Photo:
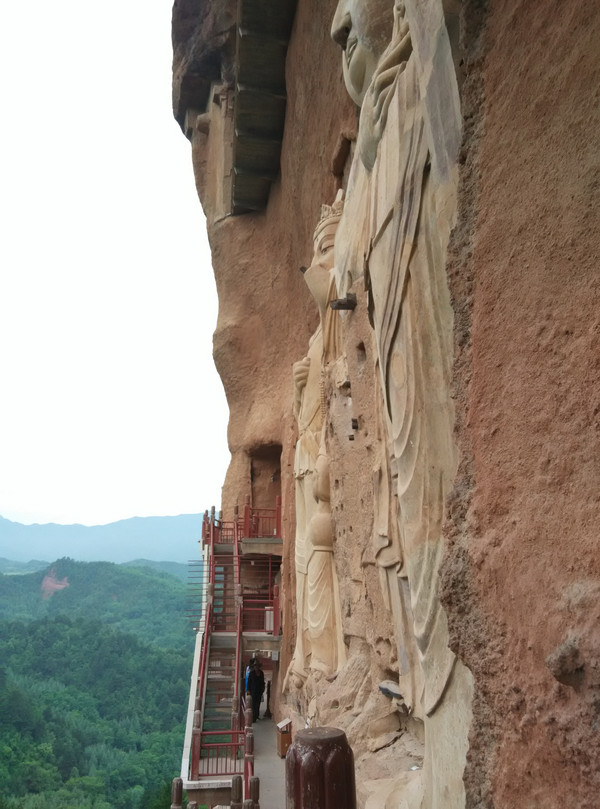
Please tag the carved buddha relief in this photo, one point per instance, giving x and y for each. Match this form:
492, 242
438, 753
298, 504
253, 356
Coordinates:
319, 643
395, 230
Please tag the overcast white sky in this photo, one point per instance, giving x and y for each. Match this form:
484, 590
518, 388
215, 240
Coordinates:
110, 406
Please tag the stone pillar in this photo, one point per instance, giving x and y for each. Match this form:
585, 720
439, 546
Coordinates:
196, 739
248, 712
235, 713
249, 759
176, 793
236, 792
255, 791
319, 771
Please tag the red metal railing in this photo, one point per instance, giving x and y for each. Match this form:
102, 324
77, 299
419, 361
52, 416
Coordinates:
261, 523
258, 615
205, 645
222, 752
229, 609
196, 732
240, 620
215, 530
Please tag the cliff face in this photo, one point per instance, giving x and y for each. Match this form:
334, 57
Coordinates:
522, 575
511, 253
266, 314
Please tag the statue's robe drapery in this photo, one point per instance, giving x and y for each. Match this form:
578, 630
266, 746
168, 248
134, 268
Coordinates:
412, 319
395, 231
319, 641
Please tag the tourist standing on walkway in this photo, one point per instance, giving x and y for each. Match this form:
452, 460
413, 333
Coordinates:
248, 670
256, 687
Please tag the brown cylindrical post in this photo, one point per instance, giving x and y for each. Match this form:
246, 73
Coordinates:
196, 739
319, 770
235, 713
249, 746
176, 793
237, 792
195, 763
248, 712
255, 791
248, 760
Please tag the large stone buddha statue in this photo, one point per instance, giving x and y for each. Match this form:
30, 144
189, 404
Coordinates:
395, 229
319, 642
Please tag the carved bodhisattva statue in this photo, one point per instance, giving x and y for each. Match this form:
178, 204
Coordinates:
319, 642
395, 227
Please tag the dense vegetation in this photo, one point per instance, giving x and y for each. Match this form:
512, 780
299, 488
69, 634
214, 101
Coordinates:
92, 700
148, 603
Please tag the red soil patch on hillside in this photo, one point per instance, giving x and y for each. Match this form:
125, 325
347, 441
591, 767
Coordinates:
50, 584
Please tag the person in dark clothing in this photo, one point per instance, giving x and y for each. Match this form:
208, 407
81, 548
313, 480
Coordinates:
248, 670
256, 687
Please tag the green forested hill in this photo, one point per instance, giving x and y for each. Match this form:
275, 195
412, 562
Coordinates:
93, 687
148, 603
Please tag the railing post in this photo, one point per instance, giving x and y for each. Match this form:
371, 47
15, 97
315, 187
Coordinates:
196, 740
235, 713
276, 626
176, 793
248, 760
237, 792
278, 516
319, 770
255, 791
247, 517
248, 713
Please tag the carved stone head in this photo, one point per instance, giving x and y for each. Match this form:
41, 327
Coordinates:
318, 275
363, 29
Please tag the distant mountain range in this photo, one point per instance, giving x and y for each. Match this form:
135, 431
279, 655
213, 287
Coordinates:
9, 567
150, 538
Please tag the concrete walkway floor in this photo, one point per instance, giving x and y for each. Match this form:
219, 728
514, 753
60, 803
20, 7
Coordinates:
268, 766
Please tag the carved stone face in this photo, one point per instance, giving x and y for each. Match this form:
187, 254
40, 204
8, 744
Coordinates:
363, 29
318, 275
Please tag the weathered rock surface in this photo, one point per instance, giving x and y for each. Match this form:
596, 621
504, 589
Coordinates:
522, 573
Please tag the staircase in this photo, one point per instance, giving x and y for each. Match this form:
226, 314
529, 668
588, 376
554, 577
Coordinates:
220, 685
228, 610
